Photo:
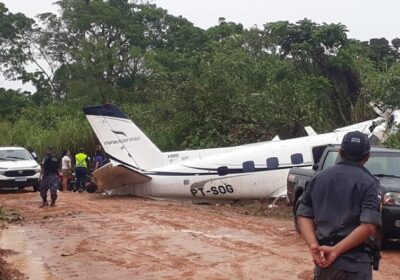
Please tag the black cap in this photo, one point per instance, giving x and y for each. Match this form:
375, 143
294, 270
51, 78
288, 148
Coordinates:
355, 144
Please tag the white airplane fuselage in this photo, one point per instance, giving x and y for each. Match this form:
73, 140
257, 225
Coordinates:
254, 171
193, 174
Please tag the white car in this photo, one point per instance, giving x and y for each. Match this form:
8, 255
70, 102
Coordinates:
18, 169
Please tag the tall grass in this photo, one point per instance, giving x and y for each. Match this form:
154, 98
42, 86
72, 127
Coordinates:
59, 127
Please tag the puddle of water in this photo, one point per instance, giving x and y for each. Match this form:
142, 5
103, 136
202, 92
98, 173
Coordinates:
15, 239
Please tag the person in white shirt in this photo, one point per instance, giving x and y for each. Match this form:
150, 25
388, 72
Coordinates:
66, 169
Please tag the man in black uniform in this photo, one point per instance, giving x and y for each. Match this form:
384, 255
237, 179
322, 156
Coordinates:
50, 180
339, 212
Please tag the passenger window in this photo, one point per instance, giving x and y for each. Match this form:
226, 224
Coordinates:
296, 158
222, 170
272, 163
248, 166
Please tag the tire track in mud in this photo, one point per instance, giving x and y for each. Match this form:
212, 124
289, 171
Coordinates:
234, 247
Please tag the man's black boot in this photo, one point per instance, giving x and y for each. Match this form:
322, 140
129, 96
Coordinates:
53, 203
44, 203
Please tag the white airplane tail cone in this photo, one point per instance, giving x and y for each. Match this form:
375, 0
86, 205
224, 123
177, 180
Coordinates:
121, 139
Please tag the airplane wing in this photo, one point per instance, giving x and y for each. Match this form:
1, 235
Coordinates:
363, 126
112, 176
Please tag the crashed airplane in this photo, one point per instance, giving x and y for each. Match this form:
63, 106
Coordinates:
255, 171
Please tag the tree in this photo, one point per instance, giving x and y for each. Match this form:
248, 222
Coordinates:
380, 51
321, 50
14, 30
13, 103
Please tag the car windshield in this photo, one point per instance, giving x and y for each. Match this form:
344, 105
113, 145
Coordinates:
384, 163
14, 155
379, 163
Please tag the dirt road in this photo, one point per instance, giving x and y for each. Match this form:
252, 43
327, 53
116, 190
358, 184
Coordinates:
87, 236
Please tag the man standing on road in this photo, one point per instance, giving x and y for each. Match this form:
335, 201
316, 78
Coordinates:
339, 212
49, 174
81, 165
66, 169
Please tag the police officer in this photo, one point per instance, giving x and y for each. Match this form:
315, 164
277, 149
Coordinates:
339, 212
81, 165
49, 174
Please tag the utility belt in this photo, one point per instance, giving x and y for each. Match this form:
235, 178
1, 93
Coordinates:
373, 250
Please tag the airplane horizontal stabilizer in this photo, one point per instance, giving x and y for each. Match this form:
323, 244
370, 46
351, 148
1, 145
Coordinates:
112, 177
310, 131
276, 138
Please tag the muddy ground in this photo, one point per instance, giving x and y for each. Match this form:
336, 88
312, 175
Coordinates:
89, 236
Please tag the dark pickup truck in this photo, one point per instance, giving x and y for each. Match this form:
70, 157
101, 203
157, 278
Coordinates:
384, 164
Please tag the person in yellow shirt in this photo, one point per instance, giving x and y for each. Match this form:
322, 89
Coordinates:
81, 166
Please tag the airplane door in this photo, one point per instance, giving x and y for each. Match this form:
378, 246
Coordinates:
317, 153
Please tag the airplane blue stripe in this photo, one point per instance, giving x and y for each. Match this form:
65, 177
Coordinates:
211, 171
256, 168
214, 172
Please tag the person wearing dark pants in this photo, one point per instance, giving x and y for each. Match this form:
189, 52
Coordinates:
50, 180
80, 174
81, 165
339, 214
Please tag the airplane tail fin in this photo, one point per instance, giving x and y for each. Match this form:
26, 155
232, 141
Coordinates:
121, 139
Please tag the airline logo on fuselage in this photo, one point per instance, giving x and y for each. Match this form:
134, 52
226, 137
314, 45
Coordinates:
120, 141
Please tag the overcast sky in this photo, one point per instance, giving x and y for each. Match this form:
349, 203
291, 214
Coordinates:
364, 19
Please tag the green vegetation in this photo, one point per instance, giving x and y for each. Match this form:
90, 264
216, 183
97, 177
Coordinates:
185, 86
